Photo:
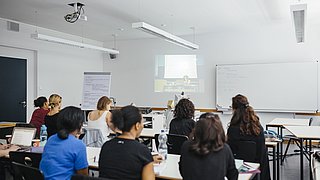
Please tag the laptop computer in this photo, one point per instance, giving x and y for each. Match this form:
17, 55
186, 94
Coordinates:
23, 136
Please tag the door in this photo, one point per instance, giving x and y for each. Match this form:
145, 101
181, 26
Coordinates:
13, 89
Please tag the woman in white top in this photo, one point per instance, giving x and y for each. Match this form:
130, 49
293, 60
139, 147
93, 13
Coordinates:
100, 118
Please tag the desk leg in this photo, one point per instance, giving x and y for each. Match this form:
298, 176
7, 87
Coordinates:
274, 163
281, 144
310, 157
278, 166
301, 158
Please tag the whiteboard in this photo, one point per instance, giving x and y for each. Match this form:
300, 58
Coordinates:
274, 87
95, 85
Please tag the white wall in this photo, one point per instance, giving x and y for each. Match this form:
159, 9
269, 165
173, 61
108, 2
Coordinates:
133, 71
55, 68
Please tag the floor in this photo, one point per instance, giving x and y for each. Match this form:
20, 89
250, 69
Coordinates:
290, 170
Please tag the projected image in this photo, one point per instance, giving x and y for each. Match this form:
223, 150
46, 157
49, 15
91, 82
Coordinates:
177, 73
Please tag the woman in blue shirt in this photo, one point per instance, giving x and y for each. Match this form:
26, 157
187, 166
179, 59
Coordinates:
64, 154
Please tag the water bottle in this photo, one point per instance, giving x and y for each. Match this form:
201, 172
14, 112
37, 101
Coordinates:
43, 135
163, 148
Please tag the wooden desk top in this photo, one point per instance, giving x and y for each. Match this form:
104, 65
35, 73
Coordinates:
7, 124
272, 143
307, 132
288, 122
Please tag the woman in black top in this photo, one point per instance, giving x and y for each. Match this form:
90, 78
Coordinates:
183, 122
123, 157
245, 126
50, 120
207, 156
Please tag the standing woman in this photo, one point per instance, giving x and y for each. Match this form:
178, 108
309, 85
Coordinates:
100, 118
183, 122
123, 157
207, 156
245, 126
37, 118
64, 154
51, 118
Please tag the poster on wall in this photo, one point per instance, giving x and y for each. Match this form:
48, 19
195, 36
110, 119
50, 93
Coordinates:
95, 85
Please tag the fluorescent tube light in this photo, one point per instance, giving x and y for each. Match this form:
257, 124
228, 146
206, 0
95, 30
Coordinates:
298, 14
72, 43
164, 35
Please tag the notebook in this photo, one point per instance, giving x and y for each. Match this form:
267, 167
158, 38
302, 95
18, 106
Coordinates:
23, 136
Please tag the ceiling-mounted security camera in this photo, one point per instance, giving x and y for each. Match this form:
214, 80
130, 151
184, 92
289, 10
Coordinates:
77, 14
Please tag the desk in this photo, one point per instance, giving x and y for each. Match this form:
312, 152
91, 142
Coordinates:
275, 160
148, 133
279, 123
169, 171
304, 133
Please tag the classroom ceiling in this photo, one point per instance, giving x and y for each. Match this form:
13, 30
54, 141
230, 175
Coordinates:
107, 17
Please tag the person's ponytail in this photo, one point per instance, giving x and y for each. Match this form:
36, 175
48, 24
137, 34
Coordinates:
63, 134
117, 119
39, 102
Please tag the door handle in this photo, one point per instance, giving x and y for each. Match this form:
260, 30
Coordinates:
23, 103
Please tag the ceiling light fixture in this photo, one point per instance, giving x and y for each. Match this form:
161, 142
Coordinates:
72, 43
164, 35
298, 14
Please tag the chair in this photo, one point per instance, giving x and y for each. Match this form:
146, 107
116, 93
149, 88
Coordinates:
93, 137
245, 150
24, 172
293, 139
82, 177
174, 142
30, 159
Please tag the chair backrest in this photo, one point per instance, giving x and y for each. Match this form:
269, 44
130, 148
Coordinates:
25, 125
30, 159
93, 137
174, 142
24, 172
82, 177
245, 150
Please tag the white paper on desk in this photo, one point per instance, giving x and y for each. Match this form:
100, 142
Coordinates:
238, 163
158, 168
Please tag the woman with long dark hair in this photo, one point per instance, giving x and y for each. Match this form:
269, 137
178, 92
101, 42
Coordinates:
207, 156
245, 126
64, 154
123, 157
183, 122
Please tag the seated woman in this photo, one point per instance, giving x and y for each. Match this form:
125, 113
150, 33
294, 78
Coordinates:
207, 156
245, 126
123, 157
183, 122
37, 118
50, 120
64, 154
100, 118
